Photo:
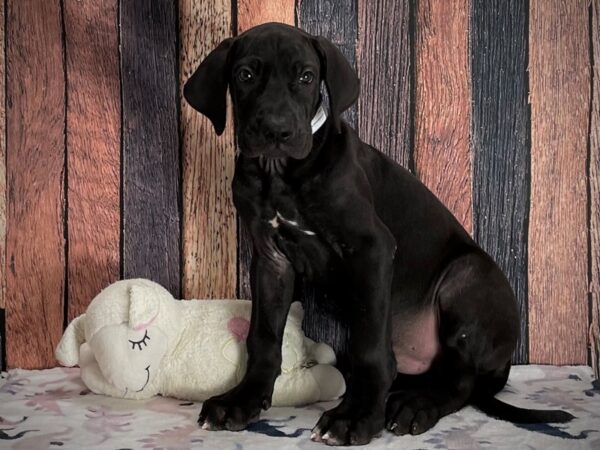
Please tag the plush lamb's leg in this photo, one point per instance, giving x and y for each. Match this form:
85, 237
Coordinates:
321, 382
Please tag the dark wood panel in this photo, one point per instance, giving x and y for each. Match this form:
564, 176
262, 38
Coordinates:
442, 104
35, 250
93, 149
559, 76
151, 176
385, 77
500, 142
249, 14
337, 22
209, 222
594, 193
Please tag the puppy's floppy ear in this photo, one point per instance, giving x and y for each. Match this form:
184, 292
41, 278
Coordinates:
206, 89
340, 78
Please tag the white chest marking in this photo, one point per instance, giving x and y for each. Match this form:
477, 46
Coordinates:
279, 218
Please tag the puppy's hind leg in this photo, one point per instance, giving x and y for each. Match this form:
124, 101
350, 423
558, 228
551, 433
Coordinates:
478, 328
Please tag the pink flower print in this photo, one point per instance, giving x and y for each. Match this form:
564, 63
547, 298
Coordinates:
177, 438
239, 327
103, 422
48, 400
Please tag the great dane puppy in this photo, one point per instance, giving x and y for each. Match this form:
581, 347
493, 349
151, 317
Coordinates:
433, 321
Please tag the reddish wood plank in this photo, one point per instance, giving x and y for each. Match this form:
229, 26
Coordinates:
442, 104
559, 77
594, 180
209, 222
93, 148
254, 12
384, 105
249, 14
35, 250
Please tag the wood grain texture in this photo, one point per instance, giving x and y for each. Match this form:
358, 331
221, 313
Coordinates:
209, 223
93, 149
442, 104
249, 14
338, 22
151, 184
594, 193
254, 12
500, 142
35, 251
385, 69
559, 75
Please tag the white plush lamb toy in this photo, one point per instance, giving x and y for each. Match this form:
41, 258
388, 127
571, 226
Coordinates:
136, 341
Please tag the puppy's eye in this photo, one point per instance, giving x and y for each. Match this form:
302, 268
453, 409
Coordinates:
245, 75
139, 343
307, 77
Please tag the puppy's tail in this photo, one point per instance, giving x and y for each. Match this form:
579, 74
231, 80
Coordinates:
500, 410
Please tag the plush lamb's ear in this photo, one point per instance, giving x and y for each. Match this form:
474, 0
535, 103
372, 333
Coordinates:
67, 351
143, 306
206, 89
342, 83
296, 312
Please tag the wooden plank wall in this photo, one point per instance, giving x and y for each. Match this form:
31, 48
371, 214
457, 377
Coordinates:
93, 122
109, 173
594, 192
150, 161
35, 177
500, 140
442, 104
209, 222
559, 80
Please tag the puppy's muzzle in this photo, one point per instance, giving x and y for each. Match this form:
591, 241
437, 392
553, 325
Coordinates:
276, 129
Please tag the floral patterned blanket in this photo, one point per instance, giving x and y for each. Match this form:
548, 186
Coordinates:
53, 409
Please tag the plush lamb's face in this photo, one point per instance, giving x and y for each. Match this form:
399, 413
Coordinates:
129, 358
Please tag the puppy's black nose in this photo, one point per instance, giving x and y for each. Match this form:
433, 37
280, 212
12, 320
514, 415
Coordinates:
277, 129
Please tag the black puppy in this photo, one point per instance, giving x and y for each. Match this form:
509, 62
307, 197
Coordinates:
433, 320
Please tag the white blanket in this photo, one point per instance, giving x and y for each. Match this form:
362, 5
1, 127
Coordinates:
53, 409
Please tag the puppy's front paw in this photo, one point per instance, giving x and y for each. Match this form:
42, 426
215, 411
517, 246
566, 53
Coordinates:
231, 411
345, 425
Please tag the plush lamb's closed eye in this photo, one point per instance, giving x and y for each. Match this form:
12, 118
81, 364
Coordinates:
136, 341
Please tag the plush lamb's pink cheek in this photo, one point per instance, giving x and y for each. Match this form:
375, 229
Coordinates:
239, 327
